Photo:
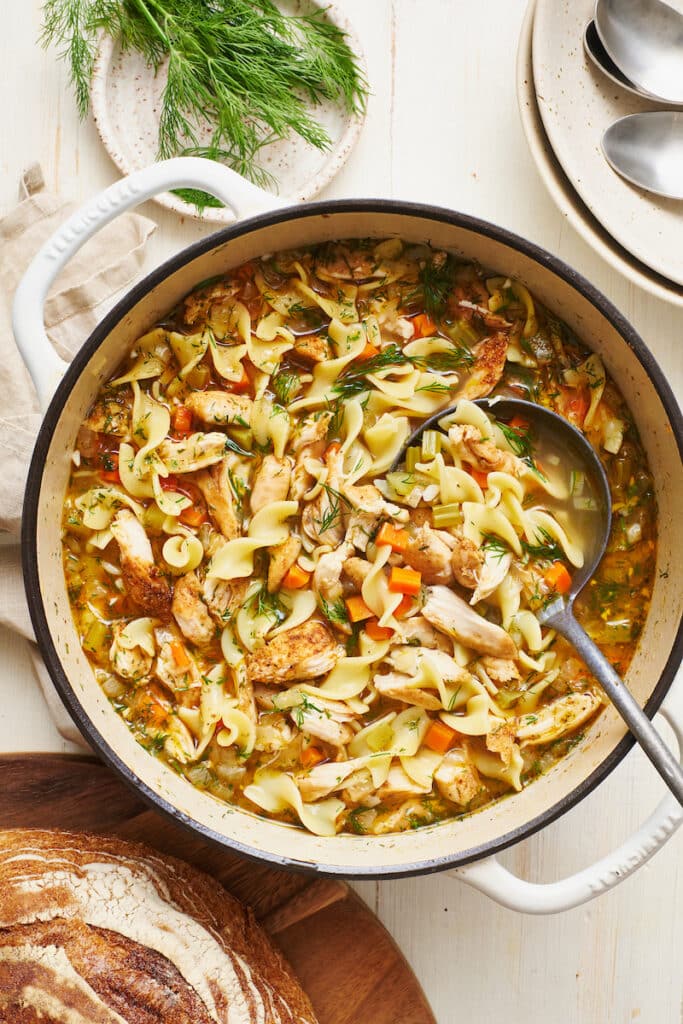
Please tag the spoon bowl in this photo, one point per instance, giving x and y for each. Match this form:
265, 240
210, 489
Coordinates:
598, 55
644, 38
647, 150
558, 612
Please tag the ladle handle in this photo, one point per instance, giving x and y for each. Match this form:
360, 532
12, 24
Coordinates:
640, 725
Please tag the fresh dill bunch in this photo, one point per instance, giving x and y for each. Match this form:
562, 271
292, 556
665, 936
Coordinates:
240, 67
437, 277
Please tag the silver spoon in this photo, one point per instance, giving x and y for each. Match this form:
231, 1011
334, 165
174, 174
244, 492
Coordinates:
644, 38
597, 53
559, 613
647, 150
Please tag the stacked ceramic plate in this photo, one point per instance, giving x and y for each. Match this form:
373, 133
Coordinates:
566, 104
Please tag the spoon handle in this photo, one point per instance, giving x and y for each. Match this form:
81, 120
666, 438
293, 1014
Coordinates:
640, 725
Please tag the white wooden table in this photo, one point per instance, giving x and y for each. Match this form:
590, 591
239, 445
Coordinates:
442, 128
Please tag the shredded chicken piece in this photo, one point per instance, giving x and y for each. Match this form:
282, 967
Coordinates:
453, 616
501, 740
500, 670
416, 630
554, 720
307, 651
109, 417
192, 453
313, 348
309, 443
361, 527
492, 573
324, 779
282, 558
271, 482
316, 723
190, 612
484, 455
224, 597
323, 520
130, 663
466, 561
197, 305
398, 686
428, 554
185, 682
360, 789
489, 363
344, 264
357, 570
327, 576
399, 783
144, 583
368, 498
221, 408
457, 779
214, 484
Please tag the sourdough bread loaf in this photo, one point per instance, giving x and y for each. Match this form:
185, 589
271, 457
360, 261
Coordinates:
98, 931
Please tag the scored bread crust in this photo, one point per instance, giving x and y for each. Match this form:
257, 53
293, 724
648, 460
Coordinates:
94, 930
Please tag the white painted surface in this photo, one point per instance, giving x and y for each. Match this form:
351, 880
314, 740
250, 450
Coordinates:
442, 128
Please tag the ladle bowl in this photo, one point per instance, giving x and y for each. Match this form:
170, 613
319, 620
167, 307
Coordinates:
558, 613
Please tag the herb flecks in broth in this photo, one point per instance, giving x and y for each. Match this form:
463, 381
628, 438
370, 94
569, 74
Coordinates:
351, 648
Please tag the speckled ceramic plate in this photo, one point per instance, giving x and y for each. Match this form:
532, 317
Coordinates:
561, 189
577, 104
126, 101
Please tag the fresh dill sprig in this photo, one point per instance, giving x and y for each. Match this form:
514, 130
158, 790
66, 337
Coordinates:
354, 379
334, 611
242, 68
232, 446
268, 605
547, 548
444, 362
285, 385
519, 440
333, 513
437, 277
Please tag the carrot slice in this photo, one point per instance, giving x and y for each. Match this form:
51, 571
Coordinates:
110, 468
193, 516
295, 578
423, 326
407, 604
357, 609
388, 534
480, 477
311, 756
439, 737
557, 578
332, 449
404, 581
377, 632
182, 420
369, 352
180, 655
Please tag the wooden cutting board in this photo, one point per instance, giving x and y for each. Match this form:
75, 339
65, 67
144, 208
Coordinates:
345, 959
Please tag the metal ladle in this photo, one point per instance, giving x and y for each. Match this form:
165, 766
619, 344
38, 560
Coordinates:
644, 38
558, 614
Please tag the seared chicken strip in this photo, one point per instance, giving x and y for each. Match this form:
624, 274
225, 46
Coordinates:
307, 651
502, 741
489, 363
457, 779
556, 719
192, 453
309, 443
190, 612
416, 630
130, 663
145, 585
453, 616
312, 348
109, 417
271, 482
428, 554
282, 558
220, 407
214, 484
484, 455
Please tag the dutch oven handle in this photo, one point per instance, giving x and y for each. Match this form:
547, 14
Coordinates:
44, 365
491, 878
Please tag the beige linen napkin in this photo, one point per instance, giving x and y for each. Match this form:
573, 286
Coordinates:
87, 288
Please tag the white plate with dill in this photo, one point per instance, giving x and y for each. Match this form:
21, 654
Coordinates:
291, 137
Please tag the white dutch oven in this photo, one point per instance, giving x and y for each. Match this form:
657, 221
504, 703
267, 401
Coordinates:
468, 845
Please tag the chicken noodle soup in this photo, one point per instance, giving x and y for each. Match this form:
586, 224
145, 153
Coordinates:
302, 631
